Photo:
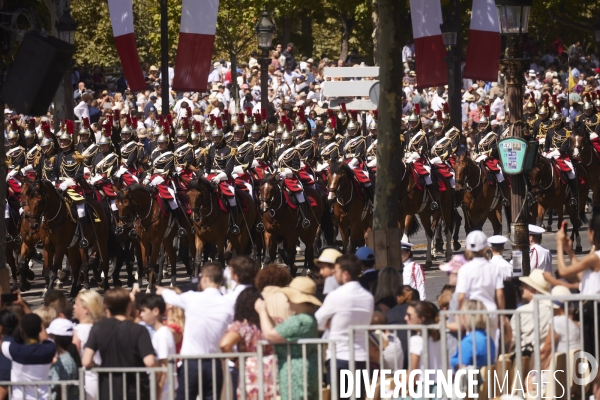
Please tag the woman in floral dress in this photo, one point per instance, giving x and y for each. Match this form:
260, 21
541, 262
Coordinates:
244, 332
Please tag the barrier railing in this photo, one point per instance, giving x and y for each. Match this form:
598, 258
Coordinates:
43, 389
141, 375
574, 323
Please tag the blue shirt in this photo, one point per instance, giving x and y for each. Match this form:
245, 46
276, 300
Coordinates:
95, 115
466, 348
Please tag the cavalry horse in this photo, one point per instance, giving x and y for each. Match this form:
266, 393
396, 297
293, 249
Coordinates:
349, 214
139, 208
584, 153
414, 200
280, 219
551, 192
211, 219
480, 199
58, 230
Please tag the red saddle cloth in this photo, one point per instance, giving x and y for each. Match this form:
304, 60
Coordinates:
163, 188
492, 164
129, 179
596, 144
164, 208
306, 175
560, 166
452, 162
240, 200
241, 179
224, 189
311, 201
443, 169
560, 162
293, 185
259, 172
419, 168
13, 189
106, 187
185, 176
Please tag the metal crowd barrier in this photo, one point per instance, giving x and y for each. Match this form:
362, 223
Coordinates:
124, 372
568, 377
43, 389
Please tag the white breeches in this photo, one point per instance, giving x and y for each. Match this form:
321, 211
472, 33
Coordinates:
427, 178
6, 211
231, 201
172, 202
113, 205
300, 197
80, 210
499, 176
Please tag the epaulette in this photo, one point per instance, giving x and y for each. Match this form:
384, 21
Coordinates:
232, 150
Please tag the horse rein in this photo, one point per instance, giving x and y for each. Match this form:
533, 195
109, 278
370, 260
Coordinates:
338, 196
539, 185
465, 182
199, 210
134, 216
268, 202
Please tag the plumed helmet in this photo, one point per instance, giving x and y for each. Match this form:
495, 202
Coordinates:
416, 114
301, 127
126, 130
208, 128
557, 117
238, 128
438, 124
104, 140
141, 133
13, 132
182, 132
544, 108
85, 126
287, 136
67, 134
531, 102
46, 141
587, 102
217, 133
30, 131
158, 130
446, 112
163, 138
255, 128
194, 136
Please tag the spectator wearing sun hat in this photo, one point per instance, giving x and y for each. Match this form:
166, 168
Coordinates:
326, 263
412, 273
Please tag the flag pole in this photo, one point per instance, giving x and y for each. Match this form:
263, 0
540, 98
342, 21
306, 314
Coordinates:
164, 57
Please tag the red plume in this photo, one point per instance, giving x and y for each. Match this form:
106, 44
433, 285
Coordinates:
354, 115
14, 125
558, 107
134, 123
107, 127
330, 113
417, 109
598, 92
257, 119
117, 115
546, 97
301, 115
288, 125
249, 111
31, 124
446, 108
554, 99
226, 115
185, 123
587, 97
263, 113
376, 114
161, 120
219, 123
487, 110
170, 119
70, 126
86, 122
532, 95
127, 120
438, 114
333, 121
46, 130
110, 121
167, 127
343, 107
594, 95
188, 111
197, 126
240, 118
212, 119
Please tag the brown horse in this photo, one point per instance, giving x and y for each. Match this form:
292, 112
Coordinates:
586, 155
349, 214
211, 223
48, 212
480, 199
550, 192
139, 209
413, 201
281, 221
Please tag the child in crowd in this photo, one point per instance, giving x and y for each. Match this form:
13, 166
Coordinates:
66, 363
475, 326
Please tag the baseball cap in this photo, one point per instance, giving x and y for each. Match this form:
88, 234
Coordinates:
152, 97
329, 256
559, 291
365, 254
454, 264
61, 327
476, 241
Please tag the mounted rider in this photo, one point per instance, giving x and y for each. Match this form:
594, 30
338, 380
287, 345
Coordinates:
15, 159
530, 116
372, 146
329, 148
218, 171
184, 155
33, 152
69, 170
288, 163
243, 158
306, 147
588, 121
104, 165
440, 149
162, 165
354, 153
86, 146
543, 123
46, 165
557, 147
263, 147
487, 149
130, 165
414, 124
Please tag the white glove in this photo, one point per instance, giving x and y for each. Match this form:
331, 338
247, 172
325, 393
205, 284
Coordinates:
435, 160
25, 170
146, 181
353, 163
157, 181
412, 157
372, 163
63, 186
553, 153
95, 179
178, 170
481, 158
321, 167
86, 171
11, 174
121, 171
302, 165
238, 170
219, 177
286, 173
254, 163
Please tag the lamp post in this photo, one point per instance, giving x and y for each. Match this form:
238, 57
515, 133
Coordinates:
451, 37
514, 19
264, 35
66, 27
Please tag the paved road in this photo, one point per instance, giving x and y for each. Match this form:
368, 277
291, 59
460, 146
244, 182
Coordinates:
435, 278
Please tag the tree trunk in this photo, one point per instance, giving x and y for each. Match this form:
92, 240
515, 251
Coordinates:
375, 35
287, 31
347, 25
389, 149
234, 83
307, 36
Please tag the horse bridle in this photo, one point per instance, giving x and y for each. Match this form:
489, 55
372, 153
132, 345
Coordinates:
40, 217
268, 202
465, 183
539, 184
338, 195
129, 220
199, 209
581, 152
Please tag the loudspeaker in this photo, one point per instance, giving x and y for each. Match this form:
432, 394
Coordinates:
35, 75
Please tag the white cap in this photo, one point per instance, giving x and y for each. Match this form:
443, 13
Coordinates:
536, 230
494, 123
406, 245
497, 240
559, 291
477, 241
61, 327
329, 256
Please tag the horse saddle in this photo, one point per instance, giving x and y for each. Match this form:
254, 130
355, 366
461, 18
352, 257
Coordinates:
90, 213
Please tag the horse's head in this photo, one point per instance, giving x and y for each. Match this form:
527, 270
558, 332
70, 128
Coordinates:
580, 146
267, 191
36, 198
541, 170
199, 195
461, 171
335, 177
126, 207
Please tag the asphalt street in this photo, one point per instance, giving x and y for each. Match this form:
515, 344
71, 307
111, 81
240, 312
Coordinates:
435, 278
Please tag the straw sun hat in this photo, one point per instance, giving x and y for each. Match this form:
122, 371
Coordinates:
301, 290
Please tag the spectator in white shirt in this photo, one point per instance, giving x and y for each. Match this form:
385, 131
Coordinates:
215, 75
539, 256
243, 272
207, 315
350, 304
326, 264
82, 110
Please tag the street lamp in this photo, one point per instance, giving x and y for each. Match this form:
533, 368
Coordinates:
264, 35
450, 35
513, 18
66, 27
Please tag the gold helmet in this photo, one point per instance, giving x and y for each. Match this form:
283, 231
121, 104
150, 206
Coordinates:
30, 131
531, 104
416, 114
182, 132
587, 102
13, 132
217, 133
557, 117
67, 134
104, 140
544, 108
85, 126
439, 123
47, 139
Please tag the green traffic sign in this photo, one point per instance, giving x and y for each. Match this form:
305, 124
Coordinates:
517, 155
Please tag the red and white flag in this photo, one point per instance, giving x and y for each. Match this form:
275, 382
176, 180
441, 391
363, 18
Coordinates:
121, 18
426, 18
484, 48
196, 40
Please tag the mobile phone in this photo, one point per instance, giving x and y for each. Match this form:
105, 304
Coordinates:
9, 298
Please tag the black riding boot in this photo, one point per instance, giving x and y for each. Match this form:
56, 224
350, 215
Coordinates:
83, 242
7, 224
573, 187
433, 194
235, 229
370, 192
504, 192
304, 211
180, 216
454, 199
